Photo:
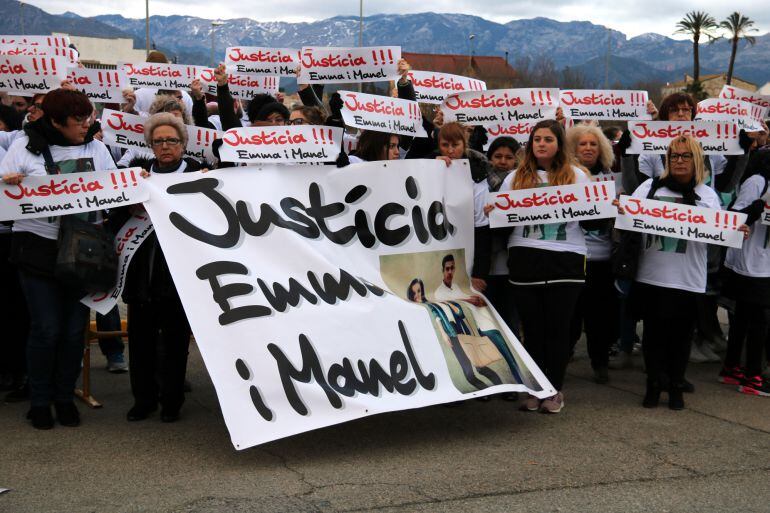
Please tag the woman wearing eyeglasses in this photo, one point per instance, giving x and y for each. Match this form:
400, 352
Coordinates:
57, 317
158, 331
671, 275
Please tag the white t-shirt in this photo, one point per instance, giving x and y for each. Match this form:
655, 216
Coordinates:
552, 236
145, 97
93, 156
134, 153
444, 293
652, 166
7, 138
753, 259
669, 262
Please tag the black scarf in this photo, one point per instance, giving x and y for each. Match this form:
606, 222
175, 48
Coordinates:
687, 190
598, 169
42, 133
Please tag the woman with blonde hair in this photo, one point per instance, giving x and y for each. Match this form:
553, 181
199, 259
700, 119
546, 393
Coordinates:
671, 274
546, 262
589, 148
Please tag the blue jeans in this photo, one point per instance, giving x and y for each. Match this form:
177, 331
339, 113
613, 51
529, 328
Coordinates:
55, 344
110, 322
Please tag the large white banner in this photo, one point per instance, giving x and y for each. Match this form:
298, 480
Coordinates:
241, 86
100, 85
301, 143
748, 116
434, 87
501, 106
127, 131
329, 65
736, 93
70, 193
382, 114
127, 241
604, 104
320, 295
681, 221
257, 60
654, 137
553, 204
27, 76
157, 75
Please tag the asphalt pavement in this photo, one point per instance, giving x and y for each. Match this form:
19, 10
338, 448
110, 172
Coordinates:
604, 452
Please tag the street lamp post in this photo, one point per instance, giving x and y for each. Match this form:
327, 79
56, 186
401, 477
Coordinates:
470, 54
147, 25
214, 25
360, 32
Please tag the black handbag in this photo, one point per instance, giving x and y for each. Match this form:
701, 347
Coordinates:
86, 259
625, 254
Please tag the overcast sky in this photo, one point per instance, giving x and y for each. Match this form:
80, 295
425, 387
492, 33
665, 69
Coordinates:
632, 18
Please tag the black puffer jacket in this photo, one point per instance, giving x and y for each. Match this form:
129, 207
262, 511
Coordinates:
148, 278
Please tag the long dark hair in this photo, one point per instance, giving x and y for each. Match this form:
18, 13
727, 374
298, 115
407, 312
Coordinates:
410, 294
372, 145
561, 171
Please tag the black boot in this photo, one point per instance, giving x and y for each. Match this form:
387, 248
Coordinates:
675, 398
41, 417
652, 395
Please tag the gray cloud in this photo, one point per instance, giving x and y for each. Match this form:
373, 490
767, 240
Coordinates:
632, 18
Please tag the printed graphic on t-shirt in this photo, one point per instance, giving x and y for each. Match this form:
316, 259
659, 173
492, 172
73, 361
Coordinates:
663, 243
548, 231
81, 165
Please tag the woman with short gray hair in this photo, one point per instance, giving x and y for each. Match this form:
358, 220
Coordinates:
158, 330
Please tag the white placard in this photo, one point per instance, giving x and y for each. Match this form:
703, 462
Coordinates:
501, 106
258, 60
297, 143
300, 282
552, 204
127, 131
681, 221
654, 137
100, 85
604, 104
40, 51
58, 41
382, 114
127, 241
70, 193
434, 87
736, 93
329, 65
244, 87
27, 76
747, 116
155, 75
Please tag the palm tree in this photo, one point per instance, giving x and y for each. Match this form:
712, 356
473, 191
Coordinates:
738, 26
697, 24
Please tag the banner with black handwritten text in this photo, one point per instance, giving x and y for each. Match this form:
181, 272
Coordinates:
317, 295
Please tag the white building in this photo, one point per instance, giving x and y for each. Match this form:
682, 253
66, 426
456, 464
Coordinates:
100, 52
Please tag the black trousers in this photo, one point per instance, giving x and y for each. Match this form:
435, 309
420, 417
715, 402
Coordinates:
748, 324
669, 317
159, 339
598, 308
499, 294
546, 313
13, 338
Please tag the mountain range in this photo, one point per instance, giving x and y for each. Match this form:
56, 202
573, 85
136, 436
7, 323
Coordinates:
580, 45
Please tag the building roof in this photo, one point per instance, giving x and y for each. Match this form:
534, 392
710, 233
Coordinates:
484, 66
705, 78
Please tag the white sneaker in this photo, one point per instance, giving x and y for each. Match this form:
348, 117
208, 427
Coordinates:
702, 353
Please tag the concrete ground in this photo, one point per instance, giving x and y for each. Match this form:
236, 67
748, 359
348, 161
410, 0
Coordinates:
604, 452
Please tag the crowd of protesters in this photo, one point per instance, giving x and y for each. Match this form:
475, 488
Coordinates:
550, 283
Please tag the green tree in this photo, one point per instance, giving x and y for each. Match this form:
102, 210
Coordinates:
738, 27
697, 24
